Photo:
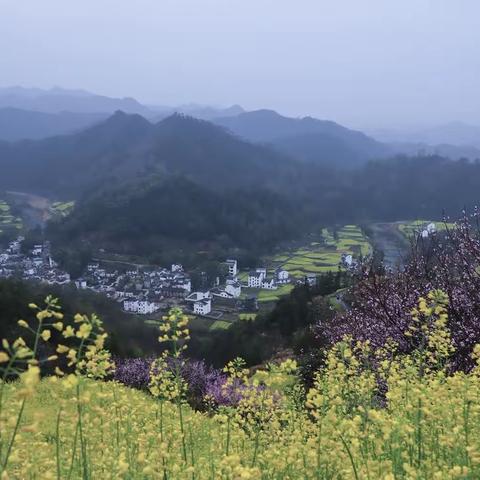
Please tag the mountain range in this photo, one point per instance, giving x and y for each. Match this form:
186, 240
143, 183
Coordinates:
125, 146
33, 113
307, 139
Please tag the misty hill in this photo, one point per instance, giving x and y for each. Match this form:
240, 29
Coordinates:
128, 146
453, 152
307, 139
58, 100
202, 112
453, 133
16, 124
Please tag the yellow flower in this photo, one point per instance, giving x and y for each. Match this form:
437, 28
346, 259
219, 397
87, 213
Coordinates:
4, 357
43, 314
46, 334
84, 330
62, 348
69, 332
23, 323
58, 326
70, 381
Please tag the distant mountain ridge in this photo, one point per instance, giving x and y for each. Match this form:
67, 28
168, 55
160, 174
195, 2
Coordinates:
457, 134
34, 113
16, 124
59, 100
307, 138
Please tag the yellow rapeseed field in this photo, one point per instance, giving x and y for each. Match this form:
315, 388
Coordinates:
369, 415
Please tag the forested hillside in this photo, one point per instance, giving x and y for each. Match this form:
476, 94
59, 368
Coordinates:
184, 186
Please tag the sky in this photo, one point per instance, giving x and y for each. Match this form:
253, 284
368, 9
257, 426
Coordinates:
363, 63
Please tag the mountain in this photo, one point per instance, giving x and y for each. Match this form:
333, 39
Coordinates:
307, 139
127, 146
69, 164
58, 100
16, 124
173, 218
202, 112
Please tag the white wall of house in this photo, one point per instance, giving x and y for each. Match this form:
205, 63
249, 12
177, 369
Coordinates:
269, 284
232, 267
282, 276
203, 307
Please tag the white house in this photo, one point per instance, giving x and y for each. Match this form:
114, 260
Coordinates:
282, 275
37, 250
81, 284
234, 289
430, 229
142, 307
255, 279
185, 283
269, 284
176, 267
232, 267
202, 307
347, 259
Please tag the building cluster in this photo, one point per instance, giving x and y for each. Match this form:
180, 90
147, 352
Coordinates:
228, 294
141, 291
35, 264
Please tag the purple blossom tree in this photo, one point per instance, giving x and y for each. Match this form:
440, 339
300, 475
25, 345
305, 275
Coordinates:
381, 301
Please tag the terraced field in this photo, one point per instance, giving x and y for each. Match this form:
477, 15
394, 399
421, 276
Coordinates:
409, 229
8, 222
62, 209
324, 255
320, 256
220, 325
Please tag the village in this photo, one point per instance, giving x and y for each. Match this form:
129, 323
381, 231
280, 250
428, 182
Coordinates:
147, 290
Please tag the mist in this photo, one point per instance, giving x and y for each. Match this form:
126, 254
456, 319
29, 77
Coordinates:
370, 64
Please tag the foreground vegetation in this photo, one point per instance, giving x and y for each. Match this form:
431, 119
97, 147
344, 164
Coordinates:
369, 414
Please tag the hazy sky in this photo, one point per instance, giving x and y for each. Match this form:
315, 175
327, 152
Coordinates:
365, 63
